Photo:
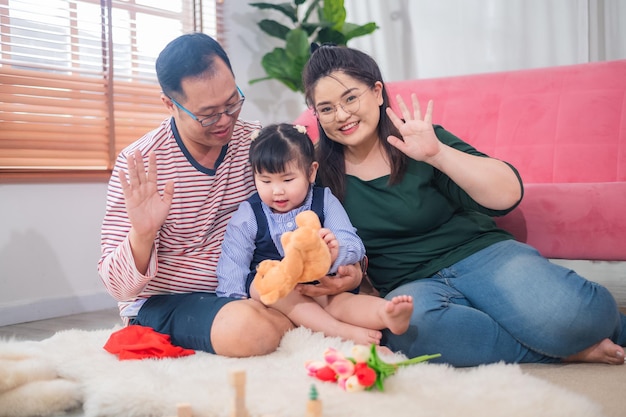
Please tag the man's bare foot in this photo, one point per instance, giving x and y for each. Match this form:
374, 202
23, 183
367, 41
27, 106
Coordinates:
602, 352
397, 313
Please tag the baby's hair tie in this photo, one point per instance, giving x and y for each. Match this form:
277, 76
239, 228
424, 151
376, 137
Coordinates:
300, 128
254, 134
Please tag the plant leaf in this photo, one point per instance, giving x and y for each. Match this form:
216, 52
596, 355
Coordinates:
285, 8
313, 6
273, 28
286, 64
298, 52
309, 28
278, 65
297, 44
335, 12
256, 80
351, 30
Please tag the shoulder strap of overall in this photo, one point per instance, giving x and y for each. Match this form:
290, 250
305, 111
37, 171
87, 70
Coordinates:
317, 203
261, 220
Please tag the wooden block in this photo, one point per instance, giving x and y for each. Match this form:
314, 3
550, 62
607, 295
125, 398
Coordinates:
314, 408
184, 410
238, 381
314, 405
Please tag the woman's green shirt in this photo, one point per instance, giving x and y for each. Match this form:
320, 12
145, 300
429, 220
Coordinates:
425, 223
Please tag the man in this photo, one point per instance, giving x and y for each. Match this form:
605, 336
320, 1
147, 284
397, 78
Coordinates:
163, 229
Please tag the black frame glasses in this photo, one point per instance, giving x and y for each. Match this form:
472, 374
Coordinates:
212, 119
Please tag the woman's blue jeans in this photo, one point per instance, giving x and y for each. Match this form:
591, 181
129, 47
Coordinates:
506, 303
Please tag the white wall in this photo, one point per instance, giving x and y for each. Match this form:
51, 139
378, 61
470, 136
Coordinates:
49, 233
49, 247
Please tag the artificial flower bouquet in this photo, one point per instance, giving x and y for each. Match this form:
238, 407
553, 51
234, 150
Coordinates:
363, 371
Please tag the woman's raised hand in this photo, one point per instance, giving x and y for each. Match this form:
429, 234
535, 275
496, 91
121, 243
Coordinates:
418, 136
147, 209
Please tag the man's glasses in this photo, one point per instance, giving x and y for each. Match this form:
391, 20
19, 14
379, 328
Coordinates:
349, 104
212, 119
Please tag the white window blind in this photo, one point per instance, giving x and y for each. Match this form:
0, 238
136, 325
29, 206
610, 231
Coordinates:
77, 80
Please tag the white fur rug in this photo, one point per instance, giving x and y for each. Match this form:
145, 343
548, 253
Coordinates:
277, 384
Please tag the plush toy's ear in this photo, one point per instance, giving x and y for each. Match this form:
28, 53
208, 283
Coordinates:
265, 281
308, 218
261, 270
285, 240
265, 266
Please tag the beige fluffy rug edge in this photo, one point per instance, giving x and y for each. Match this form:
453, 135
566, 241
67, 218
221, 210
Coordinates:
277, 384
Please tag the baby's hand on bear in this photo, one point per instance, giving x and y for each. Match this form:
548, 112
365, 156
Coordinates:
331, 242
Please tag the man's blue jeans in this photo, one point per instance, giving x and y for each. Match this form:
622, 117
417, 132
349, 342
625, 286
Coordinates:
507, 303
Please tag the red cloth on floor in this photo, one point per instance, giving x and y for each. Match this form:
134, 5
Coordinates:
140, 342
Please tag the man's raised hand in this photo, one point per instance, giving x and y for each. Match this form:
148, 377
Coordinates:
147, 209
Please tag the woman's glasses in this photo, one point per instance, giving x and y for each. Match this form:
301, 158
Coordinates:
350, 104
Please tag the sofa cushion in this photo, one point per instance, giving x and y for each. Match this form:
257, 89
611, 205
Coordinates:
572, 221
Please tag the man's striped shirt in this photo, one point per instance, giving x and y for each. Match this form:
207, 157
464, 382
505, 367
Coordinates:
187, 248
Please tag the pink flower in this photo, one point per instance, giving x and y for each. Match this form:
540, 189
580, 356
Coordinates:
364, 371
331, 355
343, 367
313, 366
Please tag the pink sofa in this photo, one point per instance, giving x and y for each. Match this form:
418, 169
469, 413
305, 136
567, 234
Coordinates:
564, 129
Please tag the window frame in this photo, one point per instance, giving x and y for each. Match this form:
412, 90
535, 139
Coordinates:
125, 109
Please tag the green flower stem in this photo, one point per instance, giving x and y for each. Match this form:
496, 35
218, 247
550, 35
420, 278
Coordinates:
384, 369
418, 359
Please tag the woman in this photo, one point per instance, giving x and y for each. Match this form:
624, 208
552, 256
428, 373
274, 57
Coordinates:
422, 201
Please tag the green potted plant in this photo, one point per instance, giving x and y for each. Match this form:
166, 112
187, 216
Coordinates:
329, 26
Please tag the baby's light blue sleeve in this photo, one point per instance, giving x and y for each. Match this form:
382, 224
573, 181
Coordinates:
237, 252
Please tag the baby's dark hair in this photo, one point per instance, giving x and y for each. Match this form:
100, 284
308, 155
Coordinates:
277, 145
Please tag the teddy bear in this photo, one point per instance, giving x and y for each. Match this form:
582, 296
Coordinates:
306, 259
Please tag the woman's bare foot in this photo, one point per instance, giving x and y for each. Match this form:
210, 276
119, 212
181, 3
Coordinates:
602, 352
397, 313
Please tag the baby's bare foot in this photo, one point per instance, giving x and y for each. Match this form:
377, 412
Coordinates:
397, 313
363, 336
602, 352
384, 351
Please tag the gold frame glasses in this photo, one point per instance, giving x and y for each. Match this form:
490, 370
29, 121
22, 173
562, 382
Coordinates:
349, 103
